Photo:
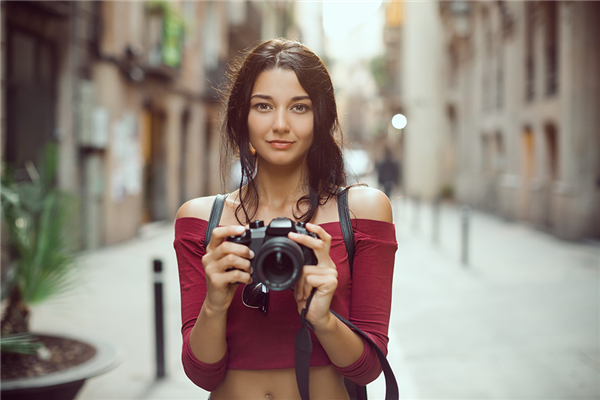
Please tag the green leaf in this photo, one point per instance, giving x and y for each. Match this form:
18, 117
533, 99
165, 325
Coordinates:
41, 225
23, 343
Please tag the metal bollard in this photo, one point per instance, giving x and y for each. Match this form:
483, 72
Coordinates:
435, 233
465, 212
159, 319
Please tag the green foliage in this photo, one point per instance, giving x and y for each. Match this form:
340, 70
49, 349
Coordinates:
378, 71
23, 343
40, 222
173, 30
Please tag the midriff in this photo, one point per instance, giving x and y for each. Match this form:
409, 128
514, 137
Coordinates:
280, 384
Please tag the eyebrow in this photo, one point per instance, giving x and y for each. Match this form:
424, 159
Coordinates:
266, 97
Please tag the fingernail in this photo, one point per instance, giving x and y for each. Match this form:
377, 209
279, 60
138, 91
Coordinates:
240, 229
251, 254
293, 234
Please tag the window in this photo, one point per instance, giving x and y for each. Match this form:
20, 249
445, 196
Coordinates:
551, 47
529, 50
500, 156
528, 151
552, 152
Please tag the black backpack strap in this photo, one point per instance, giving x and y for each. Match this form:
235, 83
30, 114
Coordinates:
355, 391
346, 225
215, 217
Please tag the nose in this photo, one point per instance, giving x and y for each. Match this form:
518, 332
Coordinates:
280, 125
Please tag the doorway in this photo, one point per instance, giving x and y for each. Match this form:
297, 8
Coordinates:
31, 90
154, 153
527, 170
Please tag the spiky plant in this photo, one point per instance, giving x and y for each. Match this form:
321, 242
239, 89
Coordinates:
39, 220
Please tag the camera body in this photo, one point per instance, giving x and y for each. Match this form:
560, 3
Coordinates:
278, 260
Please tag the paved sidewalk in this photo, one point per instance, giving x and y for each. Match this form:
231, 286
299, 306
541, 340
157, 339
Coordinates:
116, 303
520, 322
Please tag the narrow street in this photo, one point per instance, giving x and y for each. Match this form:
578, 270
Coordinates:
520, 321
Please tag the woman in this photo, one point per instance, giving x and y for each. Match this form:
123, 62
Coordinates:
281, 120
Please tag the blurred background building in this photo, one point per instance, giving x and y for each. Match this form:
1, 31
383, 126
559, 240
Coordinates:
501, 99
131, 92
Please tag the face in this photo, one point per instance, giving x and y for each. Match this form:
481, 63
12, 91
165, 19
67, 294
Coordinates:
280, 120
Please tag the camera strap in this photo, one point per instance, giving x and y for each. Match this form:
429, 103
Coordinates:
215, 217
303, 349
303, 342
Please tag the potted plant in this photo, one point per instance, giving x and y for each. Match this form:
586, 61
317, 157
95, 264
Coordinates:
39, 223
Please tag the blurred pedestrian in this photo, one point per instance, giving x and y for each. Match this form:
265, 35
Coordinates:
280, 121
388, 173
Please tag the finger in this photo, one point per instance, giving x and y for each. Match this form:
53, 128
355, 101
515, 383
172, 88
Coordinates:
324, 279
299, 288
307, 289
310, 242
231, 261
220, 233
303, 287
319, 231
237, 249
231, 277
319, 247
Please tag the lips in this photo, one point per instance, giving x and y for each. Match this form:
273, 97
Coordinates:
280, 144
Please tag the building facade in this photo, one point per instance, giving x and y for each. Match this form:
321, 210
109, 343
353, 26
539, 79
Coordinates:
131, 93
514, 89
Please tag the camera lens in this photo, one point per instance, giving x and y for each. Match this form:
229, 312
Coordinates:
279, 263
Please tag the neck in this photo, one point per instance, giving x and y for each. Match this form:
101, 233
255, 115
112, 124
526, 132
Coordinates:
280, 187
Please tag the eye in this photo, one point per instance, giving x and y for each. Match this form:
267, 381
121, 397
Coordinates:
262, 107
301, 108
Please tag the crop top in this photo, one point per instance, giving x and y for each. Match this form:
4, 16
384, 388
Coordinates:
257, 341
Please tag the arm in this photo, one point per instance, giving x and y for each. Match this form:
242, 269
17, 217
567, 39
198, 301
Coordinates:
208, 279
346, 349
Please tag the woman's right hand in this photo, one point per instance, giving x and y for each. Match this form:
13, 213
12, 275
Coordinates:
226, 265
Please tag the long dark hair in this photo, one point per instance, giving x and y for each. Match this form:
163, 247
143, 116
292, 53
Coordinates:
324, 160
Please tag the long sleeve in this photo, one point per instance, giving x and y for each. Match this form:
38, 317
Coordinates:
258, 341
189, 249
370, 307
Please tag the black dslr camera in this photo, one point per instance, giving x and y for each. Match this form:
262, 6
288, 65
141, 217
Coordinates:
278, 260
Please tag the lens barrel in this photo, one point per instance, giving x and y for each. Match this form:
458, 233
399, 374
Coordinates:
279, 263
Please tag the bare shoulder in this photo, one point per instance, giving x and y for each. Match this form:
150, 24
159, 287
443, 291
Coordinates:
370, 203
197, 208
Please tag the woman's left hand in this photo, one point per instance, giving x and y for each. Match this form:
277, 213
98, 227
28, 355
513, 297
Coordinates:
322, 276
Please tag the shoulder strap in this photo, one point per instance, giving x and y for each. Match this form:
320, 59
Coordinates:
215, 216
346, 225
355, 391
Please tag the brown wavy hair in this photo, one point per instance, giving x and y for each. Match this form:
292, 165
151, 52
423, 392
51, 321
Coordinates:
324, 160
